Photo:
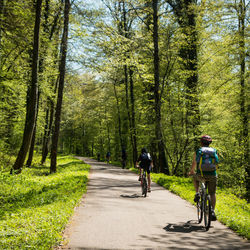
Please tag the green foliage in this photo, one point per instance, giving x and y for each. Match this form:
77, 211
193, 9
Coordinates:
35, 206
230, 210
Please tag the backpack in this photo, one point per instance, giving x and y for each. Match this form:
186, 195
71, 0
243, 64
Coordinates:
207, 159
145, 160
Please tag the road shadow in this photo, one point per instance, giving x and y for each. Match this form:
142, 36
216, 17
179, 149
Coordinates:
188, 227
130, 196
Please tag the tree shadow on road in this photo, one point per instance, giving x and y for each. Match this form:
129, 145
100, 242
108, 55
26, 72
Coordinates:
188, 227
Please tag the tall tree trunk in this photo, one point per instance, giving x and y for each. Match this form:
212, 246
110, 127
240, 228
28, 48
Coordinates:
32, 93
119, 117
243, 110
162, 160
33, 140
133, 125
62, 67
128, 108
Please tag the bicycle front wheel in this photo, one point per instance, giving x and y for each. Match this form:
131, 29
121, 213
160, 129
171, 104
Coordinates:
207, 212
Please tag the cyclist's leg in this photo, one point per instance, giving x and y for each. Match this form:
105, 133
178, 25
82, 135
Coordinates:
149, 179
212, 183
196, 187
139, 173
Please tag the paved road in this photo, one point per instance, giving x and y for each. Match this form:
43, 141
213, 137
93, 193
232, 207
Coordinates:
113, 215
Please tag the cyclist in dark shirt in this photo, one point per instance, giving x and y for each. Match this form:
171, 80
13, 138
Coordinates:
145, 162
108, 156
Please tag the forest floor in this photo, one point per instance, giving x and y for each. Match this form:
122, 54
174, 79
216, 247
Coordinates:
114, 215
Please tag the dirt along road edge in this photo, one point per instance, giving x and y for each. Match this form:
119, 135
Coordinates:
114, 215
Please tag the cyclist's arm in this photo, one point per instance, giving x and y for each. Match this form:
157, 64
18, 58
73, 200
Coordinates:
192, 170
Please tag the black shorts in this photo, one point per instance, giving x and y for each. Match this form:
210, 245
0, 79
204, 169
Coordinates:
147, 168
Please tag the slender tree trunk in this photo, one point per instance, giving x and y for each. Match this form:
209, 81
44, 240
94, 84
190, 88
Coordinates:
162, 160
133, 125
33, 140
62, 67
128, 108
243, 109
31, 96
119, 117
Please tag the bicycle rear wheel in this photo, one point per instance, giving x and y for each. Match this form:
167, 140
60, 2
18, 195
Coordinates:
144, 186
199, 210
207, 212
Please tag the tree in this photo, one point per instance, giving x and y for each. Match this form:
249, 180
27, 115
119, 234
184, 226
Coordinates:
62, 67
162, 161
186, 16
32, 94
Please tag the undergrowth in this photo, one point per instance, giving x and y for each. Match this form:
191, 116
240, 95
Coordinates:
35, 206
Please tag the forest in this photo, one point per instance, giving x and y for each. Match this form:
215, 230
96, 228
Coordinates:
81, 77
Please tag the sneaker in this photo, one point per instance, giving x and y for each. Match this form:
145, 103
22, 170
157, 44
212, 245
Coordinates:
139, 178
213, 216
196, 197
149, 190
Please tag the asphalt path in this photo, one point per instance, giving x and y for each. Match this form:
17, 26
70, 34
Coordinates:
114, 215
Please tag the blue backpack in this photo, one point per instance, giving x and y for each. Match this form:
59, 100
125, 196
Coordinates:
207, 159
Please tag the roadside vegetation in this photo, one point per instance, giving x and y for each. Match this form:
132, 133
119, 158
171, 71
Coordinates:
230, 210
35, 206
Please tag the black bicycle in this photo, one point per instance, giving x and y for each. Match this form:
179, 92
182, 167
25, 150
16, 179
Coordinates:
144, 184
204, 209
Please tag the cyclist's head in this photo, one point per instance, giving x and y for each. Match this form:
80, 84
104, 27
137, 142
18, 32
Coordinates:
206, 140
144, 150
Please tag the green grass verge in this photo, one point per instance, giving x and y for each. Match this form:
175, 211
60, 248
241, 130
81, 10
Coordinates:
230, 210
36, 206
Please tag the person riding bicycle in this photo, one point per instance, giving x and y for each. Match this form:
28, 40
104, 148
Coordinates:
108, 155
205, 162
145, 162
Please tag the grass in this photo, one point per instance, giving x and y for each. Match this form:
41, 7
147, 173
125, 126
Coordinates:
230, 210
36, 206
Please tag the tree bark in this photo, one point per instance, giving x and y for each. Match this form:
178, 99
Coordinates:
62, 67
133, 125
33, 140
32, 94
243, 110
119, 117
161, 163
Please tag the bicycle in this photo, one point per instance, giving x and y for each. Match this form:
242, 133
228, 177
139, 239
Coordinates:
144, 183
204, 209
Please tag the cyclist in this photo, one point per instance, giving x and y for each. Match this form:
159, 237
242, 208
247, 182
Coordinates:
145, 162
206, 169
108, 156
124, 157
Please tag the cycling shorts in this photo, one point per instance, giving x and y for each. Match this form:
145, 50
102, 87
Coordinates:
147, 168
210, 179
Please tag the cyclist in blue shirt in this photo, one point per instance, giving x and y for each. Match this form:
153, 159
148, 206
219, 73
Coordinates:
204, 166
